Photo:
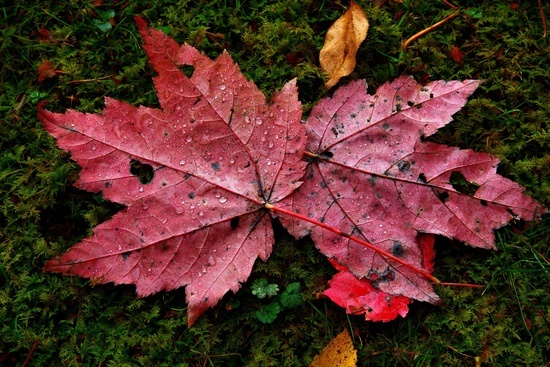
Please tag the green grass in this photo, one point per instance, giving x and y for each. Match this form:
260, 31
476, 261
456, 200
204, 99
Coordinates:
50, 320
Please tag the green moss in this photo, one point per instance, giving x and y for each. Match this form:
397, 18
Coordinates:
73, 323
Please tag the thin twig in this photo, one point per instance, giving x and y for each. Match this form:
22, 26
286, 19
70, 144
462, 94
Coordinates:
429, 29
454, 7
34, 345
89, 80
543, 19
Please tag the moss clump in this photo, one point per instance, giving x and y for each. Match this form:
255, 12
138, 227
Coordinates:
51, 320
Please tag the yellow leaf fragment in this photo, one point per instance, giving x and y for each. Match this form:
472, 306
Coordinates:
338, 353
342, 41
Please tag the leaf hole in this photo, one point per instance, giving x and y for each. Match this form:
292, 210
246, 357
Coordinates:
143, 171
460, 184
188, 70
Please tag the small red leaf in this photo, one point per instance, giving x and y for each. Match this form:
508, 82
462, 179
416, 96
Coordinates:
457, 55
45, 71
360, 297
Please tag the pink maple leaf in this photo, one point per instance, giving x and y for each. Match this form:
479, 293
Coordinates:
373, 177
219, 153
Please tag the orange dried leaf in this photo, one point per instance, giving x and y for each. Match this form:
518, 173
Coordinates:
45, 71
338, 353
342, 41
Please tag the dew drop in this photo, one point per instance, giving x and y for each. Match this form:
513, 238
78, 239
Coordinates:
140, 189
223, 200
188, 138
246, 119
201, 213
182, 162
271, 114
211, 260
119, 248
203, 269
231, 161
259, 121
270, 145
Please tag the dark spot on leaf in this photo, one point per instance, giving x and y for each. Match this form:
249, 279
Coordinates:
431, 95
188, 70
327, 153
353, 115
398, 98
369, 309
386, 126
144, 172
398, 107
403, 166
125, 255
234, 222
191, 195
334, 131
216, 166
442, 196
372, 180
422, 178
460, 184
397, 249
107, 184
410, 103
483, 203
323, 185
247, 164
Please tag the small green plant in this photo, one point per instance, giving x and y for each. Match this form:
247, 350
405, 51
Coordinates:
37, 96
291, 297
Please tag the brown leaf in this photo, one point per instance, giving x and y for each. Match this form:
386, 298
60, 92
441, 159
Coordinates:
338, 353
45, 71
342, 41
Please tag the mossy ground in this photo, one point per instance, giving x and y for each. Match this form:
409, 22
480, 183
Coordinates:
50, 320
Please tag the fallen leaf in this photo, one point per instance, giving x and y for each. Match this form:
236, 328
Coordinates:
457, 55
358, 296
217, 152
373, 177
339, 352
45, 71
338, 55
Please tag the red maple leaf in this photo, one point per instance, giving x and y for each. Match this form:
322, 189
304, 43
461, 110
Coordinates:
374, 179
222, 157
219, 153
